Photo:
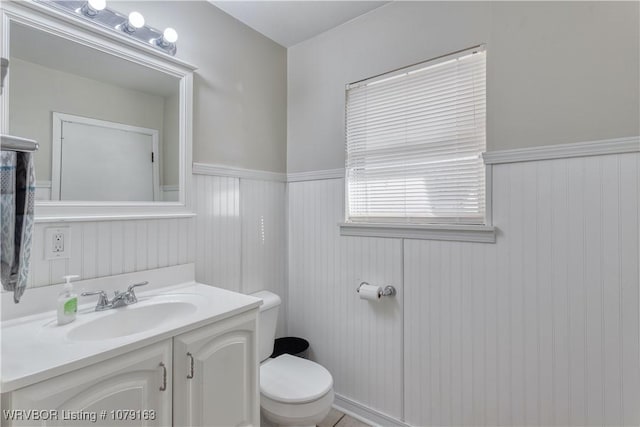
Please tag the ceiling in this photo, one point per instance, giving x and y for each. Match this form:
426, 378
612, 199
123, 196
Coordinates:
291, 22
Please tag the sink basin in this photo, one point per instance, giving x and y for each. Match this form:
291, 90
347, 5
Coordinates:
130, 320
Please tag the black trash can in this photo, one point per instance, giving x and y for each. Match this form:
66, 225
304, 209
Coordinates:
291, 345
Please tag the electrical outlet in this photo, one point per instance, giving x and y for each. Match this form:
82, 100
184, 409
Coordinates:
56, 243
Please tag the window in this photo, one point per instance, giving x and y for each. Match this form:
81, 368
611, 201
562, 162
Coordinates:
414, 139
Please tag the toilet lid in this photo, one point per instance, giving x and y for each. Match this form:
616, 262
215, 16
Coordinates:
291, 379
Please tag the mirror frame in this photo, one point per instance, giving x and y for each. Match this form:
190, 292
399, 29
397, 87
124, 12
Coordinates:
56, 23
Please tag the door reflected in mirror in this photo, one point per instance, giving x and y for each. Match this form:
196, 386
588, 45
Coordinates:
108, 128
99, 160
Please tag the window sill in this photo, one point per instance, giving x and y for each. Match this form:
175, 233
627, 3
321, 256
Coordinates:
459, 233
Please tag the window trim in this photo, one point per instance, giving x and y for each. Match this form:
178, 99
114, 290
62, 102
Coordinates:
458, 233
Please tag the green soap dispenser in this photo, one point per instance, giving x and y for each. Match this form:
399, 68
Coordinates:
67, 302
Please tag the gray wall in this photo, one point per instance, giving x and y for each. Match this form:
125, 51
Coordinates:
557, 72
239, 88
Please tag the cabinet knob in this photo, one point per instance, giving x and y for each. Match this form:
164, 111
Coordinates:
190, 374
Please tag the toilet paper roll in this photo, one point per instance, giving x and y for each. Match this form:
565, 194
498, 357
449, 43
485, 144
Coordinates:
370, 292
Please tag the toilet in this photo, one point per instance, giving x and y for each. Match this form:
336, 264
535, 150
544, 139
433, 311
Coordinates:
293, 391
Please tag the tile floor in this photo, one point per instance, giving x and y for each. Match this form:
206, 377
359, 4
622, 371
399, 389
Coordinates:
338, 419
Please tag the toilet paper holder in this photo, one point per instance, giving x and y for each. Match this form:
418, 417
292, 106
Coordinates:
386, 291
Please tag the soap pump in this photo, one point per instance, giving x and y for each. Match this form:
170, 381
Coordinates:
67, 302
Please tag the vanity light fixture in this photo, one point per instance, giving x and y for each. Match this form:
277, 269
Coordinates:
133, 25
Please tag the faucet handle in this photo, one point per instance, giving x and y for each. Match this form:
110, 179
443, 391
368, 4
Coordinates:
135, 285
102, 294
103, 300
131, 296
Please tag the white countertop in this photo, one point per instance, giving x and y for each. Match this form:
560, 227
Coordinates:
35, 348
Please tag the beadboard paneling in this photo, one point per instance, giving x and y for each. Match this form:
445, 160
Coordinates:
264, 251
241, 235
214, 240
542, 327
218, 236
105, 248
358, 341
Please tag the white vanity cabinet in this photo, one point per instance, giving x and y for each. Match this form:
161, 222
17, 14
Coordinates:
216, 374
133, 389
207, 376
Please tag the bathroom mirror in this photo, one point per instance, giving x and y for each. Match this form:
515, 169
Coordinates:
112, 117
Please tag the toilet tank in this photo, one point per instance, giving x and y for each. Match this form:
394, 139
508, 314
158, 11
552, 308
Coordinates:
267, 322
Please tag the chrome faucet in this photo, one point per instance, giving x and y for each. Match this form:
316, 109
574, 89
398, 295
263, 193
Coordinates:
120, 299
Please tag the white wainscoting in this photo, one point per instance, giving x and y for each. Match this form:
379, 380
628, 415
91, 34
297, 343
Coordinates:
241, 235
218, 231
540, 328
238, 240
264, 243
106, 248
359, 342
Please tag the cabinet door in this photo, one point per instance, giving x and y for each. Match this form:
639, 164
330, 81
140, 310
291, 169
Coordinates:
116, 392
216, 374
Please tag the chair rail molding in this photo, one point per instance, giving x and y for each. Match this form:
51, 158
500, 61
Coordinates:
601, 147
237, 172
315, 175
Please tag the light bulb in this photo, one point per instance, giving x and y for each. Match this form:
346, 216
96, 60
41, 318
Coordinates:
92, 7
170, 35
97, 5
136, 20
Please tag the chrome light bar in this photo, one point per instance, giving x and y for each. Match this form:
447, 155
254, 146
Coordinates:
132, 25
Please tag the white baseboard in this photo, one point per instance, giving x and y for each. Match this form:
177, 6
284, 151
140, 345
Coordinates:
365, 414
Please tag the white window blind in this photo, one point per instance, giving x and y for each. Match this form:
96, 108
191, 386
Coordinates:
414, 139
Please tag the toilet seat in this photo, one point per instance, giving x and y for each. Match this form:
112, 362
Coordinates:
291, 379
297, 414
